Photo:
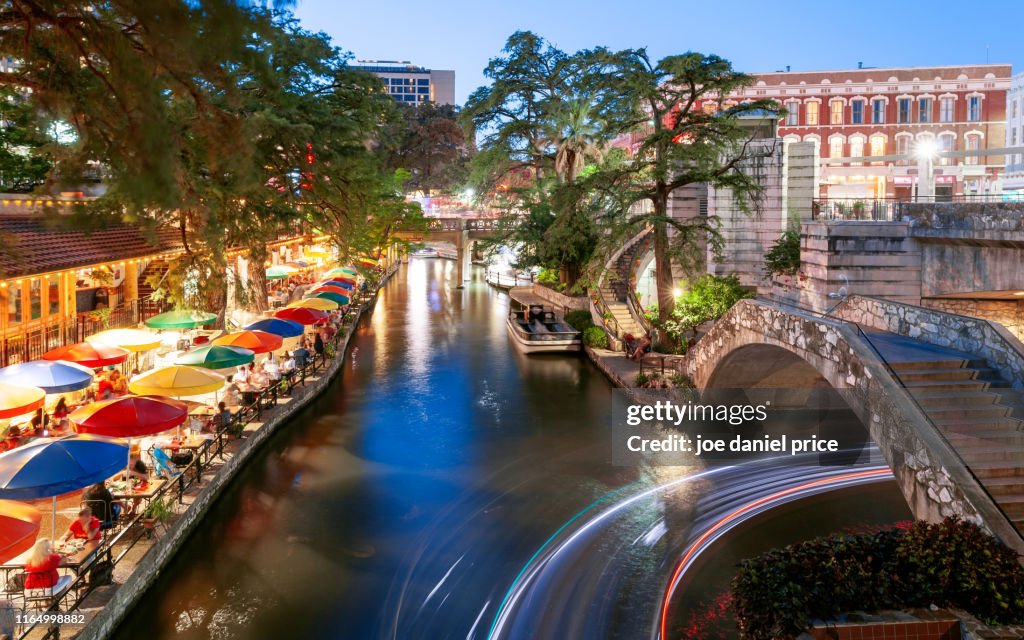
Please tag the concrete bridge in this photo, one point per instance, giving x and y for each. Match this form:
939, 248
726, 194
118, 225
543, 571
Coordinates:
939, 393
463, 232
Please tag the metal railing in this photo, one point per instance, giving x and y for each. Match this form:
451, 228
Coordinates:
116, 548
886, 209
506, 281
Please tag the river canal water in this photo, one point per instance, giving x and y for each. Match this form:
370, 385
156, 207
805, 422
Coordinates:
447, 486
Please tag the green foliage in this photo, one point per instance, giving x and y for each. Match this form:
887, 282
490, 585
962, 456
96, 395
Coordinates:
428, 142
784, 256
25, 161
160, 509
707, 298
579, 320
954, 563
595, 337
547, 276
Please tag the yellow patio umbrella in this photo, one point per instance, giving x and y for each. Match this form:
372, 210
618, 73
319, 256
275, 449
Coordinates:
176, 380
316, 252
130, 339
320, 304
16, 400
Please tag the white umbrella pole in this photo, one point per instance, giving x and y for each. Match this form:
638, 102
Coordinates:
53, 521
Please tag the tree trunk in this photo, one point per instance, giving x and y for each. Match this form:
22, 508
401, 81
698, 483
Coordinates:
663, 261
257, 298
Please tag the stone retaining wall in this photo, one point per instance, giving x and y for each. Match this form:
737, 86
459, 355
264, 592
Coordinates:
162, 553
566, 303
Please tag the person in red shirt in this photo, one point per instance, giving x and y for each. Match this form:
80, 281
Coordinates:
41, 568
86, 527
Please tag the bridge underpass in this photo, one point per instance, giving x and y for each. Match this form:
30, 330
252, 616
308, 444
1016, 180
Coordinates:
942, 411
462, 232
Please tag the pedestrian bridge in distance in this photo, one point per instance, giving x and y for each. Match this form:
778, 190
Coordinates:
943, 407
461, 231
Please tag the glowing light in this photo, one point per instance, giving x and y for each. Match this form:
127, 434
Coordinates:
926, 149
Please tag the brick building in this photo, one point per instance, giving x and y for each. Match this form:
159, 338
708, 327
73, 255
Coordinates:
867, 112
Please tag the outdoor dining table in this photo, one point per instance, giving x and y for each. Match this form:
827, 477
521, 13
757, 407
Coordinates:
119, 490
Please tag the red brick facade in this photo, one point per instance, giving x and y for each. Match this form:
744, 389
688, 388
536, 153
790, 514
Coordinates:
878, 112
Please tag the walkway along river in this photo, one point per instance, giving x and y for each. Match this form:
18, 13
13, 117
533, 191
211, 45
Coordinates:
447, 486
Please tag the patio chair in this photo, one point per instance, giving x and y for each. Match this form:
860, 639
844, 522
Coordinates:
41, 598
162, 463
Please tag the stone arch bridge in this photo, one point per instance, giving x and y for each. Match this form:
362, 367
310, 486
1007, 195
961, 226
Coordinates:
463, 232
939, 393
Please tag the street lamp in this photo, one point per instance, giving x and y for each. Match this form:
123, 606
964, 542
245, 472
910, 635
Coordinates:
926, 150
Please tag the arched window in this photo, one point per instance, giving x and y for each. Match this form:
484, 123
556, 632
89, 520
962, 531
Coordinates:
878, 141
857, 147
835, 147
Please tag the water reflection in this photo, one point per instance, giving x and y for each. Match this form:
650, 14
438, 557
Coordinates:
408, 501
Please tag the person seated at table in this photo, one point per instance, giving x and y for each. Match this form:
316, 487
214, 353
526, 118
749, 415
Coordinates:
318, 344
288, 366
85, 527
118, 383
232, 396
259, 379
642, 347
12, 439
136, 467
220, 420
60, 414
273, 370
41, 568
104, 388
242, 375
40, 421
329, 332
101, 501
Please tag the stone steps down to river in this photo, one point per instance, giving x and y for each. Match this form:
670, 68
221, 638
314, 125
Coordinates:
974, 408
614, 289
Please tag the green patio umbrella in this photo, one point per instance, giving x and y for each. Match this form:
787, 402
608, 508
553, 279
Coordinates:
280, 272
217, 356
181, 320
336, 297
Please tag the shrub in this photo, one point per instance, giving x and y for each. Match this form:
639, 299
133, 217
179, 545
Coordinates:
595, 337
784, 256
954, 563
548, 276
579, 320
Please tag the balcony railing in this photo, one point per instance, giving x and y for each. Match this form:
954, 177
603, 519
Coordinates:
885, 209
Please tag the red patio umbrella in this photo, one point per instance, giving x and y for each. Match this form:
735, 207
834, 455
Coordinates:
130, 416
329, 289
88, 354
302, 315
19, 525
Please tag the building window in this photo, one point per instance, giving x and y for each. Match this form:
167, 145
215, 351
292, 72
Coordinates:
709, 108
972, 142
812, 114
924, 110
53, 295
1013, 108
856, 147
946, 110
902, 148
857, 112
835, 147
35, 298
792, 114
903, 110
974, 108
14, 311
878, 111
945, 146
878, 146
836, 112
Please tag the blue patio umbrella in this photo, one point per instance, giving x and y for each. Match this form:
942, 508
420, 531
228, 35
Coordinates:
52, 376
48, 468
277, 326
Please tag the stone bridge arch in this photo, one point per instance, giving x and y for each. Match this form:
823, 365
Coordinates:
762, 343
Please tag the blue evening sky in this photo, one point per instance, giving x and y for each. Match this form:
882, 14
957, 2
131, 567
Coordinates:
757, 36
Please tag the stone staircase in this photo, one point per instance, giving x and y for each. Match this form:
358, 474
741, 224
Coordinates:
614, 286
975, 409
157, 268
